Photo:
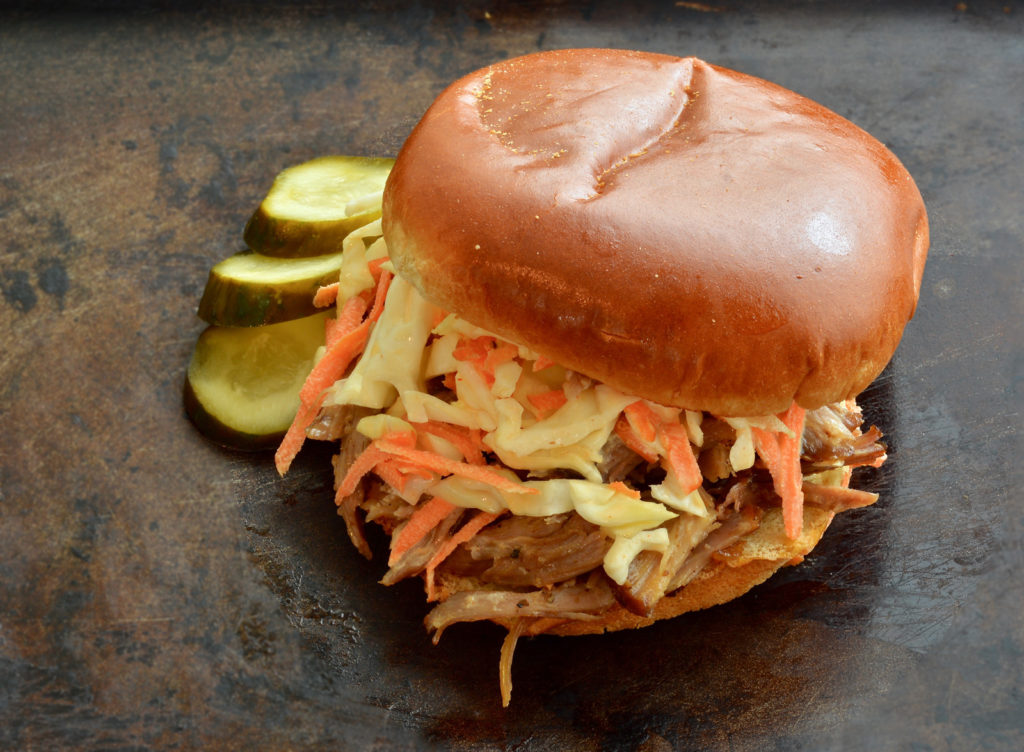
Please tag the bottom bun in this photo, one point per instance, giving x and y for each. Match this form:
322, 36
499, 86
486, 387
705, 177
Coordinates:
732, 572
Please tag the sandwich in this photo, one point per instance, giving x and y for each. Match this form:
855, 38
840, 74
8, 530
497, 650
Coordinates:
597, 363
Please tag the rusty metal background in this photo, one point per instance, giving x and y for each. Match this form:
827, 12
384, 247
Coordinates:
157, 592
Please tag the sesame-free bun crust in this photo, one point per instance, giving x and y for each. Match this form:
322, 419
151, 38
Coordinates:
680, 231
732, 572
743, 566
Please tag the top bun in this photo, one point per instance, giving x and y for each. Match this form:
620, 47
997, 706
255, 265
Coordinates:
682, 232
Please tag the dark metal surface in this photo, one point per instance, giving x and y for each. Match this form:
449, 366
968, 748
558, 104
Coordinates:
157, 592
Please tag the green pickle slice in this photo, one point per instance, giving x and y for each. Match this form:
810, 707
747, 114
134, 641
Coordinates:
312, 206
242, 386
249, 289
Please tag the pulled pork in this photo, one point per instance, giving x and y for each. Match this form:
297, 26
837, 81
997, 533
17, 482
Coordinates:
531, 551
832, 437
521, 569
568, 601
532, 573
651, 573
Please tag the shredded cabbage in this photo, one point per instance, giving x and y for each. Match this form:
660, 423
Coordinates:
421, 407
376, 426
626, 548
741, 455
441, 358
355, 274
617, 514
693, 421
672, 495
393, 359
571, 438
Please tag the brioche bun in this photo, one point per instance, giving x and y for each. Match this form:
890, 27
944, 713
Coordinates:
731, 573
677, 230
748, 563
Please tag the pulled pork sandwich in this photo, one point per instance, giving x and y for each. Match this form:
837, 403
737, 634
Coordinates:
596, 365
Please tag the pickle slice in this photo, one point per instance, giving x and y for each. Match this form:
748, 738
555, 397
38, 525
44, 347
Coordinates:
249, 289
311, 207
242, 386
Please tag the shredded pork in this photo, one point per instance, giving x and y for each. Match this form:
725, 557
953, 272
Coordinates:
336, 422
414, 561
651, 572
731, 530
837, 499
832, 437
566, 601
352, 445
618, 461
521, 566
535, 572
532, 551
532, 572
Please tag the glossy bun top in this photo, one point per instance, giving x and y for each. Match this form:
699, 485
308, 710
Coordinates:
680, 231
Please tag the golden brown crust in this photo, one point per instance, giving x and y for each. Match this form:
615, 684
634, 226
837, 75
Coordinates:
747, 564
674, 229
718, 585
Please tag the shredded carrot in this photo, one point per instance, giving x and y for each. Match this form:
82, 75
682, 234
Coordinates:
631, 439
547, 402
334, 363
294, 437
790, 454
449, 381
468, 441
351, 313
541, 363
467, 531
382, 293
475, 351
394, 458
375, 265
622, 488
423, 519
639, 426
781, 454
344, 346
397, 475
643, 419
445, 466
485, 354
364, 463
501, 354
390, 474
391, 471
402, 438
410, 471
349, 318
326, 295
680, 457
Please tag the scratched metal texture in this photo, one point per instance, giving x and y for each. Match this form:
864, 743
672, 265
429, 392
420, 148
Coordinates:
157, 592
